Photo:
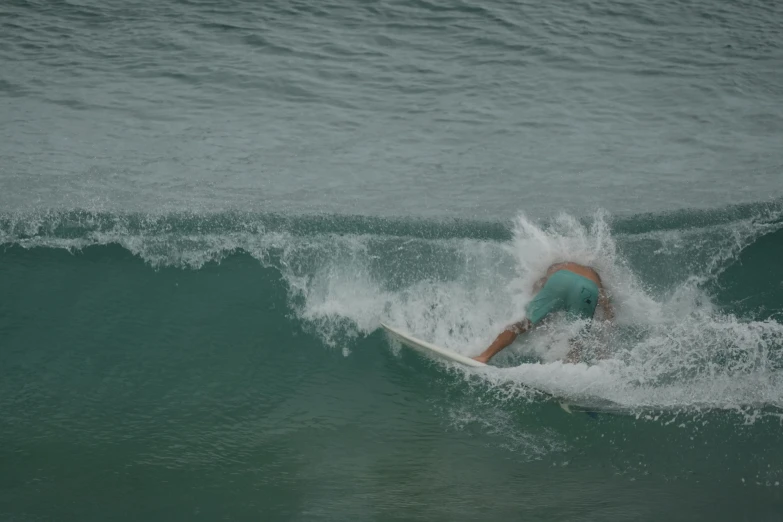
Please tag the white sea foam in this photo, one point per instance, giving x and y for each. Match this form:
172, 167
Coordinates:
672, 347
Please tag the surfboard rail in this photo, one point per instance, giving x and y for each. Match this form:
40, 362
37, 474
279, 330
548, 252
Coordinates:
429, 348
569, 406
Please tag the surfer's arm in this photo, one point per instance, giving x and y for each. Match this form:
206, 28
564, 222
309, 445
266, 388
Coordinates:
574, 355
505, 338
602, 349
606, 306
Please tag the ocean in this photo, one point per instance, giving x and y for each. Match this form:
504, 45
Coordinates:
208, 208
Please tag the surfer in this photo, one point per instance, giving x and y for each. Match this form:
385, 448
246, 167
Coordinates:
570, 287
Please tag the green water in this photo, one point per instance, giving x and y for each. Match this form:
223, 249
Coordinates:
216, 390
207, 209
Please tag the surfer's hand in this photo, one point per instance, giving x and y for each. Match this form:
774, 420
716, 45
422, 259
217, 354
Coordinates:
481, 358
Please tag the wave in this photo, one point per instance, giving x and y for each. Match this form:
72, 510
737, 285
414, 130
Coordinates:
698, 322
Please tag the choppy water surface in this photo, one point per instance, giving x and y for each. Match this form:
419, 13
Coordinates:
206, 209
394, 108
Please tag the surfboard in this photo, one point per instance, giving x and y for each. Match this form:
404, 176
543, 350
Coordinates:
429, 348
594, 407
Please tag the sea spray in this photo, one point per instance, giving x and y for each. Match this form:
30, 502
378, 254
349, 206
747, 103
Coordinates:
675, 344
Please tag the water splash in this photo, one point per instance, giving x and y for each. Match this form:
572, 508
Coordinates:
458, 286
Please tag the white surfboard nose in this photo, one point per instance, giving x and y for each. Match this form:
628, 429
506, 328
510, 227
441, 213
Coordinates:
429, 348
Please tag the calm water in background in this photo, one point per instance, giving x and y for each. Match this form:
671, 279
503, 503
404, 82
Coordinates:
206, 209
399, 108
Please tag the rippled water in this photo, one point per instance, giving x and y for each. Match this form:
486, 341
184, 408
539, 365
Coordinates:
207, 208
392, 108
